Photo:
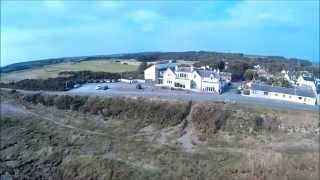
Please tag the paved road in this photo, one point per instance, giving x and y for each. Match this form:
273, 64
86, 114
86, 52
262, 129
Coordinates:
125, 89
231, 95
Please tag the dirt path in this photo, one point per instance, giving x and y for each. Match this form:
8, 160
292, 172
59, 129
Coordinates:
8, 110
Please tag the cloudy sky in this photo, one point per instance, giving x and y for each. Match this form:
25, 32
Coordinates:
46, 29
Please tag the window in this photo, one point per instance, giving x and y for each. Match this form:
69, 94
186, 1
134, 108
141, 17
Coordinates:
284, 95
299, 98
182, 75
275, 94
179, 85
210, 89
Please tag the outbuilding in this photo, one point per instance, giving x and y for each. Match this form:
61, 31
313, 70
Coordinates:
296, 94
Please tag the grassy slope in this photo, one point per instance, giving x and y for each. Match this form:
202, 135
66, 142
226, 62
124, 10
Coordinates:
53, 70
150, 153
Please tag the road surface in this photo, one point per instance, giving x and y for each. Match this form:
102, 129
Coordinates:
230, 95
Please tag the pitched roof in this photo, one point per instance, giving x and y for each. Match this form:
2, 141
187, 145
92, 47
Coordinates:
184, 69
307, 78
293, 91
207, 73
161, 66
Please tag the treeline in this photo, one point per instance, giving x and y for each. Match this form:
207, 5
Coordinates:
271, 62
66, 82
237, 69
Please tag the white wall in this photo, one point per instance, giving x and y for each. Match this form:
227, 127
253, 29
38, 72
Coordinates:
169, 78
212, 84
285, 97
197, 80
150, 73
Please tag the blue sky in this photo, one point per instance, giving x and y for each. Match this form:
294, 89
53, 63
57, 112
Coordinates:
47, 29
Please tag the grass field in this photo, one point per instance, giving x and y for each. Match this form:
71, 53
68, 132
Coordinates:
53, 70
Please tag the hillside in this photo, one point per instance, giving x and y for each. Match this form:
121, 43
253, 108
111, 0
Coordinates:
154, 56
72, 137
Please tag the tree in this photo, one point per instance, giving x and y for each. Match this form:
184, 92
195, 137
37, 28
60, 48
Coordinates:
249, 75
282, 83
220, 65
142, 67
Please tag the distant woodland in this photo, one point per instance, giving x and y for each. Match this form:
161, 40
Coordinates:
237, 64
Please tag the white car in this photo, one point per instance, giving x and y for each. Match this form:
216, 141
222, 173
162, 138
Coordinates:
98, 87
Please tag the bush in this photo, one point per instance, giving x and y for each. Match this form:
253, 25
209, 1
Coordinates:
161, 113
208, 119
258, 123
34, 98
63, 102
78, 102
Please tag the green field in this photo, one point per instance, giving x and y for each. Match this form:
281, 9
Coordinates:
53, 70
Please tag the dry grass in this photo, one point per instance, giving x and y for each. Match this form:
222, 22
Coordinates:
125, 151
52, 71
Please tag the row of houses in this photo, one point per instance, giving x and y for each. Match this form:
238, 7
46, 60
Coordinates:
305, 88
171, 75
301, 79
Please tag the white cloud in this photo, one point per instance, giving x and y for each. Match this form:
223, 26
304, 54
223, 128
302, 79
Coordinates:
55, 5
250, 13
144, 15
147, 19
111, 5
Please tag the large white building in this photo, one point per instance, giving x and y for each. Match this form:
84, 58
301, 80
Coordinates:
297, 94
306, 81
190, 78
154, 73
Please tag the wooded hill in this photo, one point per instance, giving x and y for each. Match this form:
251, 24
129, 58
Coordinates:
273, 63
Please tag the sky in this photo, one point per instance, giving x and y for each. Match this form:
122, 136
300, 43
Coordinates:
32, 30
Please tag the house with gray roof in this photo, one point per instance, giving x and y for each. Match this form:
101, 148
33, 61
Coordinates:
197, 79
296, 94
154, 73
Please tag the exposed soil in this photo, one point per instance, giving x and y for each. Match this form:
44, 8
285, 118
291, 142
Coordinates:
40, 142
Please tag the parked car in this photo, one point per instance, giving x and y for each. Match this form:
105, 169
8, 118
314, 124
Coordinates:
76, 85
138, 86
105, 87
99, 87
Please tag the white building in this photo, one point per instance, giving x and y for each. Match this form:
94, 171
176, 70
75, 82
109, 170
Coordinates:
154, 73
306, 81
194, 79
298, 94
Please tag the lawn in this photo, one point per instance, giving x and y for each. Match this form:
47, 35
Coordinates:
53, 70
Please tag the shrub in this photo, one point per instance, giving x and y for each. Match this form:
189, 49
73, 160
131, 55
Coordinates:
33, 98
208, 119
63, 101
49, 100
78, 102
258, 123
